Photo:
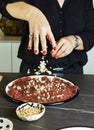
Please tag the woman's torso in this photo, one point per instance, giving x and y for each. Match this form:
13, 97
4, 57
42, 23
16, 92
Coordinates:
68, 20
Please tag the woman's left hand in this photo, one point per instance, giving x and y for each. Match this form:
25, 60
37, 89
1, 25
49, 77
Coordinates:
64, 47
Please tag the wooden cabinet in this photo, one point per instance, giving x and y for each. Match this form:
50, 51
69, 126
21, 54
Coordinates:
8, 57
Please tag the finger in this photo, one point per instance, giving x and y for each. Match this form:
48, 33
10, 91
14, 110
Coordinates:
51, 38
60, 48
63, 54
30, 42
62, 51
60, 55
43, 44
36, 44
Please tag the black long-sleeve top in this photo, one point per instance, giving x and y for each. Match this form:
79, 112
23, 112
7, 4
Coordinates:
76, 17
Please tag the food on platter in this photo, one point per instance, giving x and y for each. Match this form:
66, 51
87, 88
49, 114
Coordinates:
42, 89
30, 111
5, 124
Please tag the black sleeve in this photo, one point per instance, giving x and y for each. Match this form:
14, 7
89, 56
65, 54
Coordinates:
88, 35
3, 4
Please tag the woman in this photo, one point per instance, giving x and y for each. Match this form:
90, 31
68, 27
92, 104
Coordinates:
61, 30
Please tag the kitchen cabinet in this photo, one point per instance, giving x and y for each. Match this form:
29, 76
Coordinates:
5, 57
15, 61
8, 57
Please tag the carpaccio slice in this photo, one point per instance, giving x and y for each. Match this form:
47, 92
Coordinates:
42, 89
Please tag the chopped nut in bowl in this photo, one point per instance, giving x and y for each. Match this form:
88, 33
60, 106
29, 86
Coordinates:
30, 111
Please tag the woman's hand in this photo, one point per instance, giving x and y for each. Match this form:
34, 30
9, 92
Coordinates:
64, 47
39, 27
40, 30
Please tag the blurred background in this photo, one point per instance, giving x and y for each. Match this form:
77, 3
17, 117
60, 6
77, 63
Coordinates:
10, 27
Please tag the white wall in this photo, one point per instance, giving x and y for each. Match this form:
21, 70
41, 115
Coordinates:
89, 67
93, 2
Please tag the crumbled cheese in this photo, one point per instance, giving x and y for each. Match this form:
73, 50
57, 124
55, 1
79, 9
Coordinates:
28, 71
42, 67
19, 87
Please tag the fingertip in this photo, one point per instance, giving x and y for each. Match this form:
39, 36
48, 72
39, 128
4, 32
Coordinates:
55, 56
29, 48
54, 47
44, 52
35, 52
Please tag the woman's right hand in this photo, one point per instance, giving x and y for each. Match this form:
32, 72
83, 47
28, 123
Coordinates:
39, 30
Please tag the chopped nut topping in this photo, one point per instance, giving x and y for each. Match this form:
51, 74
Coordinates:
29, 111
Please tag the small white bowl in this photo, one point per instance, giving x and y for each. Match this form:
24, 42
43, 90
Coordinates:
5, 124
30, 111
